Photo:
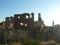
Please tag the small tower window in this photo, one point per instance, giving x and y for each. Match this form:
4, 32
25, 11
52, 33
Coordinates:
27, 17
18, 17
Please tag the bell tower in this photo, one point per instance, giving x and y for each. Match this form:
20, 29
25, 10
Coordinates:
53, 23
39, 17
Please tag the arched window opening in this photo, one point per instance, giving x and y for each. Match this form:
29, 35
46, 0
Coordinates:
21, 24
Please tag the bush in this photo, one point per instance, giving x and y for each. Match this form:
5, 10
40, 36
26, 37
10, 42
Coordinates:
31, 42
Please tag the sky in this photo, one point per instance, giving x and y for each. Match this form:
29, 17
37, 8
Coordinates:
49, 9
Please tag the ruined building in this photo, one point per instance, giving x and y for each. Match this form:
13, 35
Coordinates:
26, 23
25, 20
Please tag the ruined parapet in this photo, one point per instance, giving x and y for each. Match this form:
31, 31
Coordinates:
9, 20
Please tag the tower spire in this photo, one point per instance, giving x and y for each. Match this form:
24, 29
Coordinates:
53, 24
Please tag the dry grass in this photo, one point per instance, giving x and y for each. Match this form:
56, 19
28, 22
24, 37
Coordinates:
18, 43
48, 42
57, 43
42, 43
15, 43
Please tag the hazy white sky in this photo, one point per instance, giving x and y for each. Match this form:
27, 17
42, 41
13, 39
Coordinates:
49, 9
